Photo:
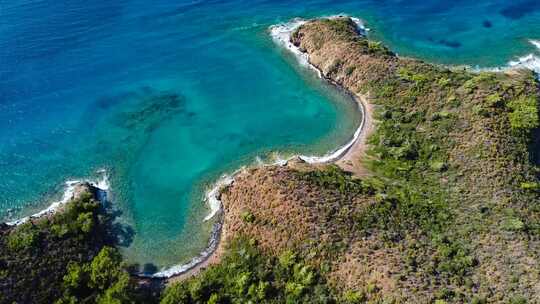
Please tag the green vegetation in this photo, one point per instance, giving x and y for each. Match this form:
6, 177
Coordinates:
63, 258
376, 47
334, 178
78, 219
23, 239
425, 198
102, 280
452, 179
248, 217
246, 275
35, 255
524, 113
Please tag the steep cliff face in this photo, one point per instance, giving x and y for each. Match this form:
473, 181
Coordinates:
451, 209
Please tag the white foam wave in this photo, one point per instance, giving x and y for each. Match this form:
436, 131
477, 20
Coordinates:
205, 254
101, 183
212, 196
536, 43
530, 61
360, 25
281, 34
339, 152
277, 159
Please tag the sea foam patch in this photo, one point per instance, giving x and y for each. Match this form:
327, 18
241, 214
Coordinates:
281, 34
101, 183
212, 196
531, 61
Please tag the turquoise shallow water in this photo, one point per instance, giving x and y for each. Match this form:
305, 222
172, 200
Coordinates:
168, 95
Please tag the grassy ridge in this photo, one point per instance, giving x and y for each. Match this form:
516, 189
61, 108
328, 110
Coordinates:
452, 151
450, 212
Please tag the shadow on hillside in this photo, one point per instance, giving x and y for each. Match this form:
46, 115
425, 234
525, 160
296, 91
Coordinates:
117, 233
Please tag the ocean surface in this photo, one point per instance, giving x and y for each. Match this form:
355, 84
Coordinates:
164, 97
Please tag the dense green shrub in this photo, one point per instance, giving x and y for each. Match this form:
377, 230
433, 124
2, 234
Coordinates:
524, 113
246, 275
60, 258
248, 217
103, 280
23, 238
335, 178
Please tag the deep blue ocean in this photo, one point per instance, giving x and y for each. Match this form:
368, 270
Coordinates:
166, 96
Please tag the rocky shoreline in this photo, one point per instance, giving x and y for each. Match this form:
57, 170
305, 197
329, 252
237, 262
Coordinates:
73, 190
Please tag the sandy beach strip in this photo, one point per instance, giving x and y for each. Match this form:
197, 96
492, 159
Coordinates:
352, 160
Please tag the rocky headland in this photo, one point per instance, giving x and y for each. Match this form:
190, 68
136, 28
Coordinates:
441, 203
